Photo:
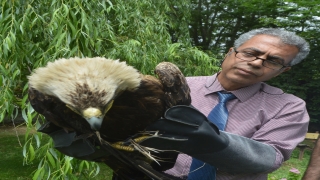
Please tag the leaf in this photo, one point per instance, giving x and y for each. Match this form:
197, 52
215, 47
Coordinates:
36, 174
25, 87
49, 172
16, 72
2, 115
30, 108
8, 43
66, 167
66, 9
54, 154
61, 37
12, 37
87, 164
24, 150
51, 160
83, 19
97, 169
29, 117
81, 166
21, 28
31, 153
41, 163
73, 29
24, 115
3, 70
24, 99
36, 137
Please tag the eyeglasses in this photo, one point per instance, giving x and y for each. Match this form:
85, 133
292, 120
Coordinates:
271, 64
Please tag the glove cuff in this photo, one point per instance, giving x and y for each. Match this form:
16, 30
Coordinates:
250, 156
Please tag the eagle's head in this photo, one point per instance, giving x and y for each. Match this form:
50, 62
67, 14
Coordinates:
88, 86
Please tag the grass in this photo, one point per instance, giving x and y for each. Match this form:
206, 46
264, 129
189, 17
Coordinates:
293, 162
11, 158
11, 166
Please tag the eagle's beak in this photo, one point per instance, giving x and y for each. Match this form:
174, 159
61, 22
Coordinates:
95, 123
94, 117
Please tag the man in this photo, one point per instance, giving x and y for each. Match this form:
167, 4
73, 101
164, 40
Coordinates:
264, 124
313, 170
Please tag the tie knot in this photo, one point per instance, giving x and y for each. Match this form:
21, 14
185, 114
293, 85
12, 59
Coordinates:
224, 97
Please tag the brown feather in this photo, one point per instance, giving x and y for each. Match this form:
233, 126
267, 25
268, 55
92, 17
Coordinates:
133, 111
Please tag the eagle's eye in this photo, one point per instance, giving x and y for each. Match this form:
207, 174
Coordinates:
108, 107
73, 109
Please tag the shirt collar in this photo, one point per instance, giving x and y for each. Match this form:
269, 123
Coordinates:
243, 94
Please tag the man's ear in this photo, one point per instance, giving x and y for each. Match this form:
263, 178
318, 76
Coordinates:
230, 51
286, 69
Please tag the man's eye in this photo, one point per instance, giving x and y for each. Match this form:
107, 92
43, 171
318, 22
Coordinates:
274, 62
246, 54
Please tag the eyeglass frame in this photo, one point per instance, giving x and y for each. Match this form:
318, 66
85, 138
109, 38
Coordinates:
263, 60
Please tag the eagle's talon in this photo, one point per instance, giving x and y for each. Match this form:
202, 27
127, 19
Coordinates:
128, 144
140, 139
121, 146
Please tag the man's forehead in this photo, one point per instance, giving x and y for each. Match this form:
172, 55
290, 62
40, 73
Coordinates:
272, 45
264, 37
261, 43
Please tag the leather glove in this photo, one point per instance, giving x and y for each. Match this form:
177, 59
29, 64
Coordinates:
187, 130
68, 144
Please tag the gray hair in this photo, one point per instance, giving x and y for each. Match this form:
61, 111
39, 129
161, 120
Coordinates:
286, 37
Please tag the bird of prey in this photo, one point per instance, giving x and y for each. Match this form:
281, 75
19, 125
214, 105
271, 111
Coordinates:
86, 95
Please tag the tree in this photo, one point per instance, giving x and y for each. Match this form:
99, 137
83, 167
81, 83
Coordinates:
34, 32
302, 80
215, 24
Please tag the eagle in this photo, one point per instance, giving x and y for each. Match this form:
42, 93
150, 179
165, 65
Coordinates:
109, 100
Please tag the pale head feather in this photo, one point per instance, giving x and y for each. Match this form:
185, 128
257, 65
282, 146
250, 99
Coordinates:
61, 77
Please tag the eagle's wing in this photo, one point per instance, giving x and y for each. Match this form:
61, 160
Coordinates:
175, 86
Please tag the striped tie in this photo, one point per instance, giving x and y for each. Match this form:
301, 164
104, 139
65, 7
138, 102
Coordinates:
218, 116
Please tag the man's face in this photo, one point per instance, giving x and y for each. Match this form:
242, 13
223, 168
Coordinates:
237, 73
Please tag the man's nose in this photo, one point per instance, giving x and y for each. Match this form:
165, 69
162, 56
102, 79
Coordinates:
256, 63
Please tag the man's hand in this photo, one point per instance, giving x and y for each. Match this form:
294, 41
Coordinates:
69, 144
186, 130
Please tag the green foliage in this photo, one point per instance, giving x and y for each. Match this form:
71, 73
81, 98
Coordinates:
53, 164
303, 79
34, 32
293, 163
38, 31
14, 168
216, 24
